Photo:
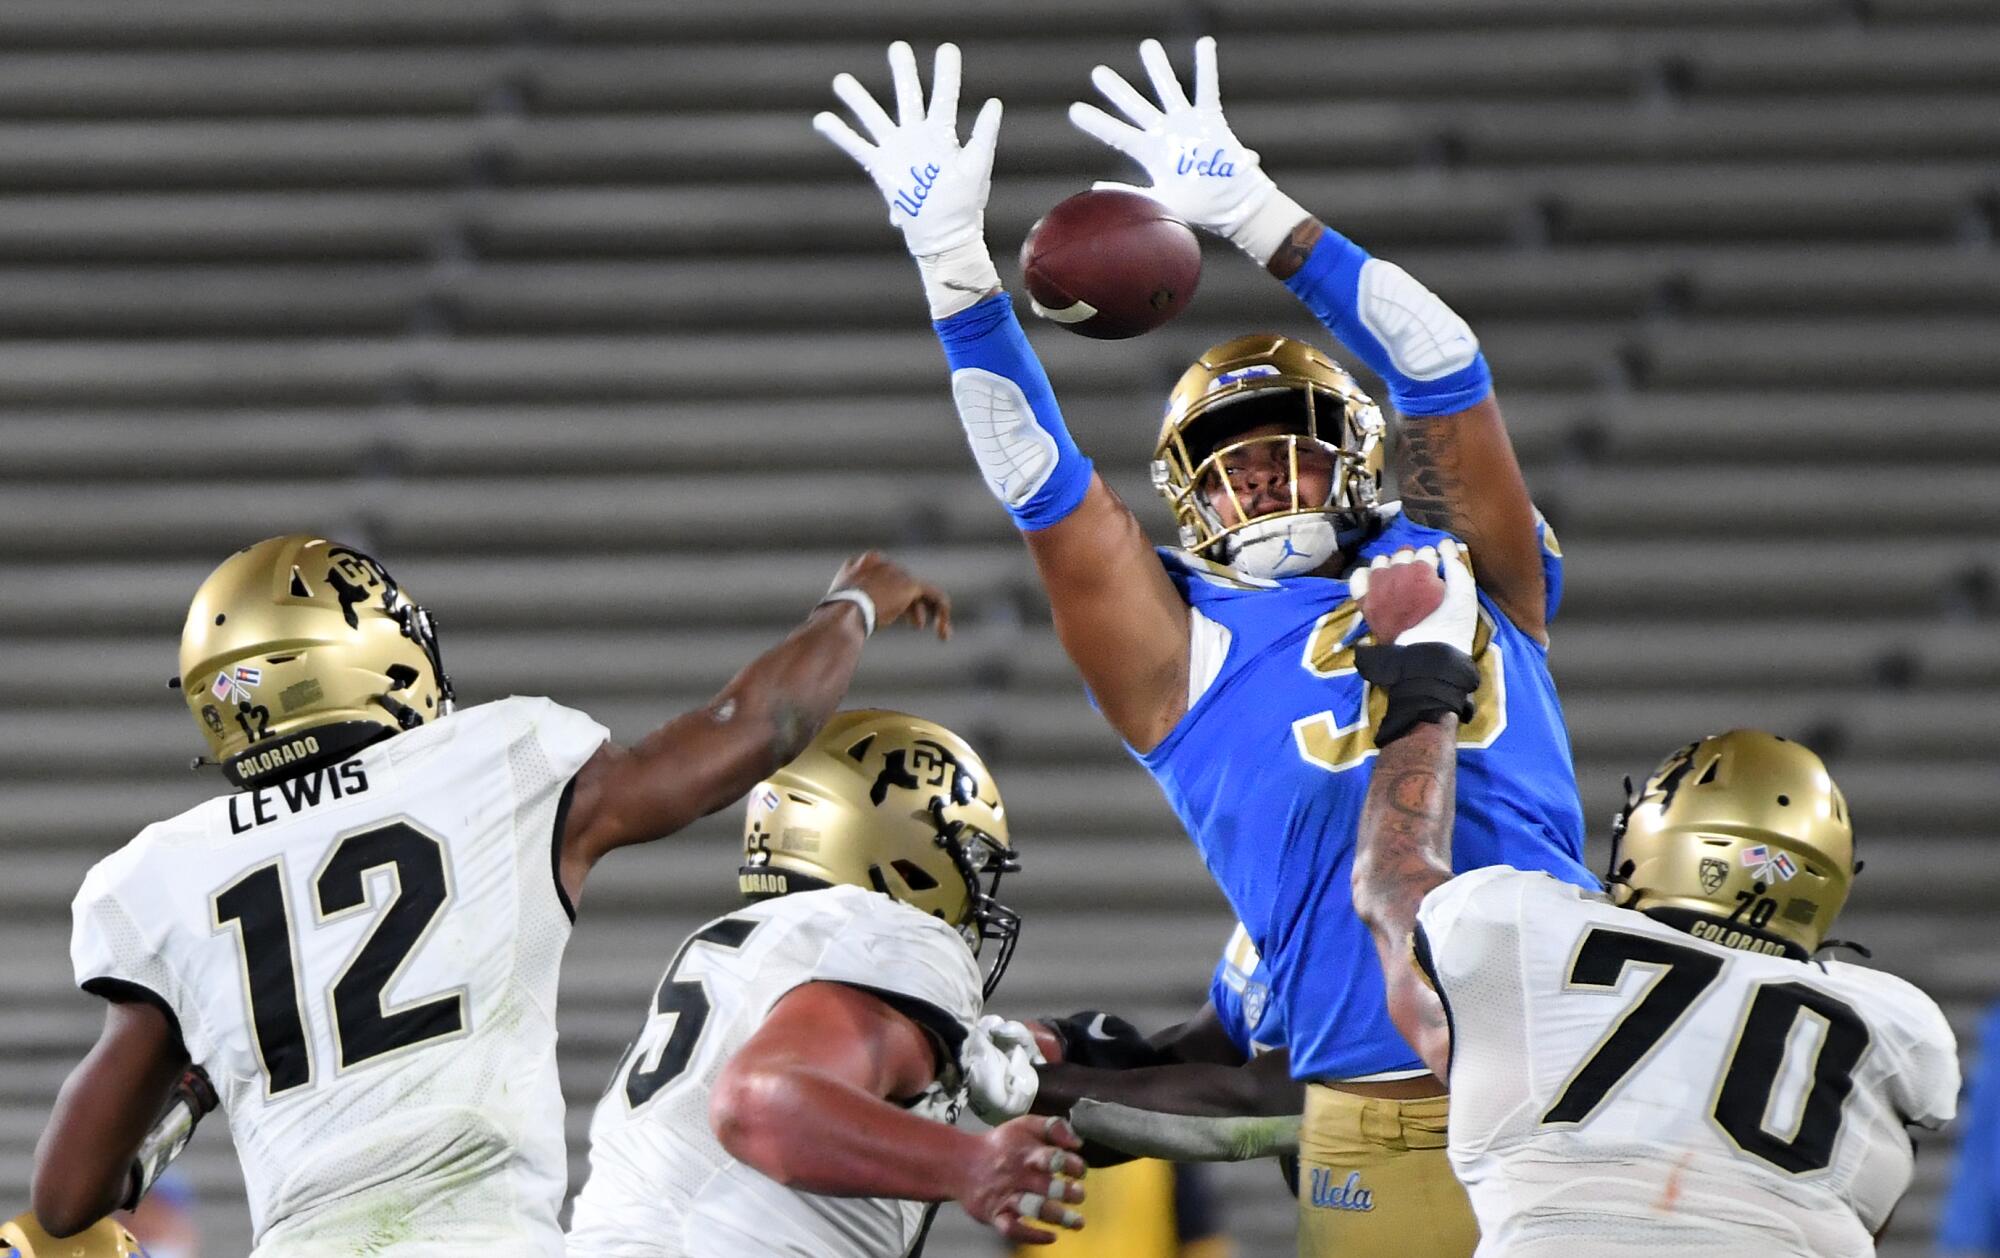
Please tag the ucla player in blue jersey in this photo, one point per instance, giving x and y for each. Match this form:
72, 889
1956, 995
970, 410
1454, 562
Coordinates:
1230, 666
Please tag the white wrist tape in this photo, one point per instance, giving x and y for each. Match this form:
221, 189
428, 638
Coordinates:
860, 599
1267, 226
957, 278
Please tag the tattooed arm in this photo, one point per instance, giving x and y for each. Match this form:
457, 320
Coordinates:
1424, 621
1403, 852
706, 759
1298, 246
1458, 473
1454, 462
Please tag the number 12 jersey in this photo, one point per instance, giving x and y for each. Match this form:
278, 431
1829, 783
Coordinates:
364, 958
1620, 1086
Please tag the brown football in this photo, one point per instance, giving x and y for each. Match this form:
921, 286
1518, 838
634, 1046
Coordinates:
1110, 264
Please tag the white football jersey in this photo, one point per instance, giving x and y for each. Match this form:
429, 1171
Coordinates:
1622, 1087
364, 959
661, 1185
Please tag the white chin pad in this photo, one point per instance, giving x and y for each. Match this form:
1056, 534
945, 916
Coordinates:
1288, 546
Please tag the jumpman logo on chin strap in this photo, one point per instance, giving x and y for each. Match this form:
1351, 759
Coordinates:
1289, 552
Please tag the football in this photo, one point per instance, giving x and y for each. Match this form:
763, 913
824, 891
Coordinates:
1110, 264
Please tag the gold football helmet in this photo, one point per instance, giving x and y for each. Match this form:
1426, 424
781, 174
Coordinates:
895, 803
298, 651
1741, 838
106, 1238
1254, 380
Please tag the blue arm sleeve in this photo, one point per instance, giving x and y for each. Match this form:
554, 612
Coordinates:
1971, 1222
1010, 415
1330, 285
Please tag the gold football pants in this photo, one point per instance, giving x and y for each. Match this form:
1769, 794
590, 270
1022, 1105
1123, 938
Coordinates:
1374, 1181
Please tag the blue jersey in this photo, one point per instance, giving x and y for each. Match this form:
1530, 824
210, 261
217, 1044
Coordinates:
1241, 994
1269, 767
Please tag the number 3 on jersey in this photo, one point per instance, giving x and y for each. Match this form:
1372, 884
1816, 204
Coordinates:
1324, 741
257, 909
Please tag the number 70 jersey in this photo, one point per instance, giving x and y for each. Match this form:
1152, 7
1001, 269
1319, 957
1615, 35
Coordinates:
364, 958
1620, 1086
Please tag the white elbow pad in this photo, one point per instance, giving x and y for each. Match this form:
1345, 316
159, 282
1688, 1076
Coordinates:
1425, 338
1015, 454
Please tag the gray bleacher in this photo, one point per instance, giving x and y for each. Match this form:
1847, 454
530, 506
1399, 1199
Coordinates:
561, 307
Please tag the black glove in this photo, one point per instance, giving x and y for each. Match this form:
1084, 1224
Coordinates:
1423, 682
1104, 1041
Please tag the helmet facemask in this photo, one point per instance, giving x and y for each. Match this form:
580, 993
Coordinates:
1258, 382
976, 852
896, 804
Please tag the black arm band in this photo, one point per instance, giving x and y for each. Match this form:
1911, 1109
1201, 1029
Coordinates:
1104, 1041
1423, 682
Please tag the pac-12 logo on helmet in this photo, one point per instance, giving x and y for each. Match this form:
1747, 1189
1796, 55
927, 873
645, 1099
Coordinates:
1743, 839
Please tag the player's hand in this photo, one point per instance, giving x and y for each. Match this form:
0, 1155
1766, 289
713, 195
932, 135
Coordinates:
1000, 1076
1026, 1171
1415, 596
1200, 170
895, 593
936, 189
1007, 1035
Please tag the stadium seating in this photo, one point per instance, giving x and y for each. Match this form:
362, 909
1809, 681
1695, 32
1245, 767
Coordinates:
561, 307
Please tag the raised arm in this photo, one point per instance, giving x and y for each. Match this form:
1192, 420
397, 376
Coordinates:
1455, 463
810, 1100
1117, 614
707, 759
1403, 847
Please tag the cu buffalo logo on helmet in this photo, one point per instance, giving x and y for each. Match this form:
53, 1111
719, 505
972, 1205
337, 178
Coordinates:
1713, 872
924, 763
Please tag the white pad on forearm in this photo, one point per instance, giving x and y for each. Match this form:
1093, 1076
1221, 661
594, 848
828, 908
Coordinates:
1185, 1137
958, 278
1425, 338
1016, 455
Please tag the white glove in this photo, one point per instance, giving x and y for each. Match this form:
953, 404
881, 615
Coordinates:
1456, 619
936, 190
1000, 1076
1008, 1034
1200, 171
